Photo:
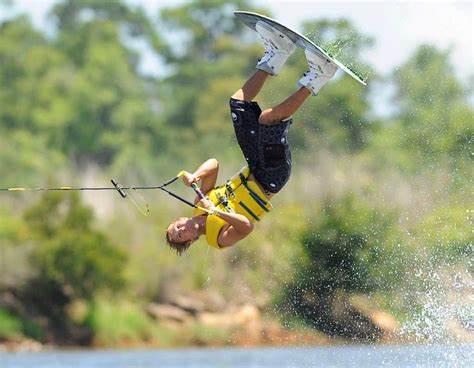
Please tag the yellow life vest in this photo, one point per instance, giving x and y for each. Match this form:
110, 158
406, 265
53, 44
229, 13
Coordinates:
237, 195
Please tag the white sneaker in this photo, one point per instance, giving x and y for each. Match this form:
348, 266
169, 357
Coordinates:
278, 47
320, 71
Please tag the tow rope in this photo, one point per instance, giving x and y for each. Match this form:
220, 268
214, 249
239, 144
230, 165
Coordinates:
122, 191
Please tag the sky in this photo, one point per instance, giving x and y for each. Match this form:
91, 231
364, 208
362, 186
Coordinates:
398, 27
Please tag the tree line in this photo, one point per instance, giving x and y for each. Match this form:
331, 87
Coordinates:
75, 97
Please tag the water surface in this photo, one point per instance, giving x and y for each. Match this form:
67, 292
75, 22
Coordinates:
333, 356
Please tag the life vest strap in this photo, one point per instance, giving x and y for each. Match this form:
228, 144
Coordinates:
229, 189
223, 199
249, 211
257, 199
260, 201
225, 202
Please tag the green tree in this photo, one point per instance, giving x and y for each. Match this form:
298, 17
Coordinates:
33, 92
34, 104
207, 62
70, 16
80, 91
342, 247
343, 243
434, 112
111, 101
72, 259
446, 234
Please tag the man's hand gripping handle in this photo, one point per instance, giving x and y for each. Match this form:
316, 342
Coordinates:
210, 208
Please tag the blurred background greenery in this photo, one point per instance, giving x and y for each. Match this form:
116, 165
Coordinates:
372, 199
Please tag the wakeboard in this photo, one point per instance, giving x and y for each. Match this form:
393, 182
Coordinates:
250, 19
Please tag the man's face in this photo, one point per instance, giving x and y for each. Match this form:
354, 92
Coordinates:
182, 230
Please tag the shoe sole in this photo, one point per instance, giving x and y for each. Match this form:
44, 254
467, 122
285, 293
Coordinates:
250, 20
272, 29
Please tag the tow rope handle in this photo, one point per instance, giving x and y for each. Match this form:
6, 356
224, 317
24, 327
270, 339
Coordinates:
200, 194
193, 185
197, 190
211, 211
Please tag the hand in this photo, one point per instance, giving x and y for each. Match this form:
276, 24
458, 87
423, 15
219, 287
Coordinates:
188, 179
207, 203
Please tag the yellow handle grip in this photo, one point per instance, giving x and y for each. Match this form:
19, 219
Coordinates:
181, 173
212, 211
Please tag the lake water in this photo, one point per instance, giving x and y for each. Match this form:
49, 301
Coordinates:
333, 356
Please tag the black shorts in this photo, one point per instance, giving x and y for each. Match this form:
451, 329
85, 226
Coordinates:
265, 147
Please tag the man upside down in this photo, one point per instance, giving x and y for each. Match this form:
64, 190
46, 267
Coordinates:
263, 139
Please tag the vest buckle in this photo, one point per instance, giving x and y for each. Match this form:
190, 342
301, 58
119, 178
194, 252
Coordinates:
229, 190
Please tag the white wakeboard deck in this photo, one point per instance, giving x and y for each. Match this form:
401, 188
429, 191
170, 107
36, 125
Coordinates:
250, 19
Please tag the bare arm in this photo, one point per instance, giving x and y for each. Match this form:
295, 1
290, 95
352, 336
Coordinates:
206, 173
239, 226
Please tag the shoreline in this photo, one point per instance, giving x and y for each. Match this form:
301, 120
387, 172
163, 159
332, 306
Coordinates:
6, 348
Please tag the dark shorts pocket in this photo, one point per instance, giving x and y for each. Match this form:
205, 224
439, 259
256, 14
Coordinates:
274, 154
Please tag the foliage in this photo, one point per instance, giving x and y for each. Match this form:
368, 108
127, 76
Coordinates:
14, 326
91, 96
10, 326
445, 234
74, 97
342, 245
433, 111
27, 159
115, 321
72, 257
